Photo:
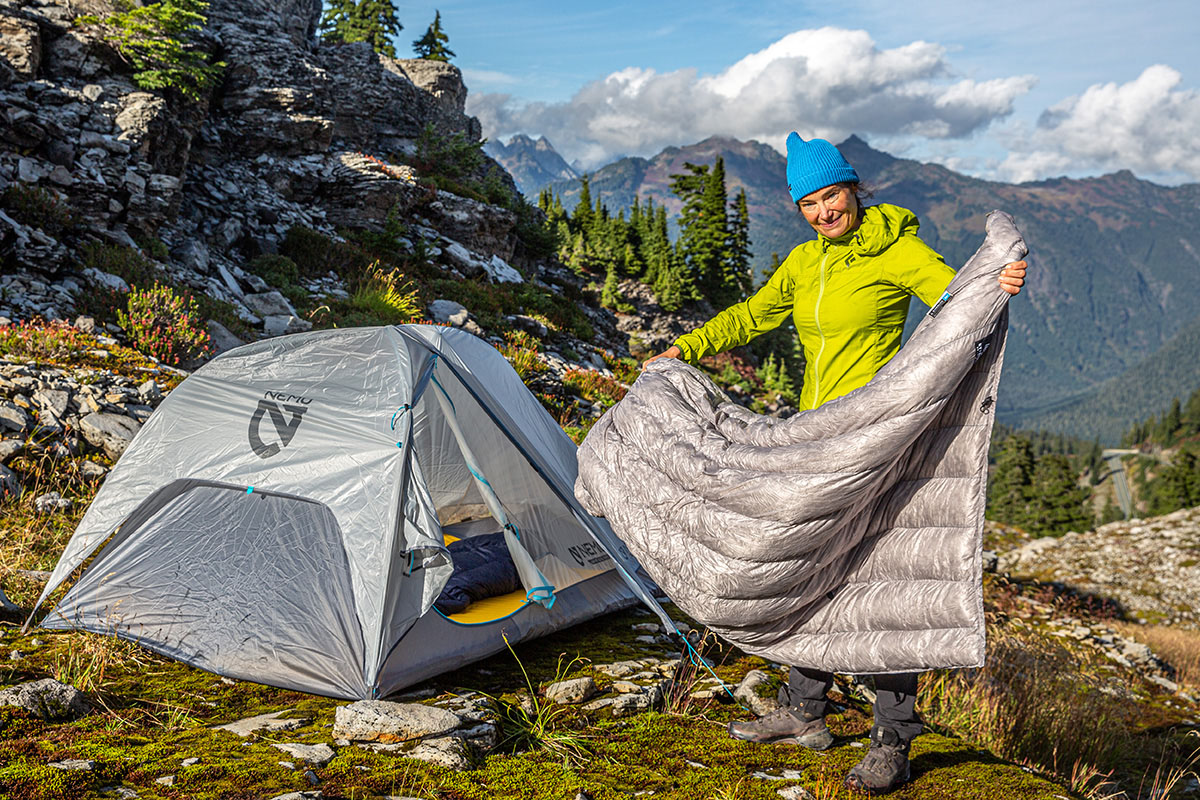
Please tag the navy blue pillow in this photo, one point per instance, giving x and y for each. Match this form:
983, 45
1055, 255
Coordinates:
482, 568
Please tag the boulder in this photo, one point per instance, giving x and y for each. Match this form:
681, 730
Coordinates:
316, 754
20, 47
47, 699
269, 304
750, 693
14, 418
391, 723
110, 432
446, 311
10, 483
263, 722
571, 692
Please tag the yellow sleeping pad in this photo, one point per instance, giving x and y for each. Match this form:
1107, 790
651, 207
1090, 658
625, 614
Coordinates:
489, 609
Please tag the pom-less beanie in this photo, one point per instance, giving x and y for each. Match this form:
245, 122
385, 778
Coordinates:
814, 165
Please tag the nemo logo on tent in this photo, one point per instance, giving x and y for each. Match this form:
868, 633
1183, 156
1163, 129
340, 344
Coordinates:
285, 428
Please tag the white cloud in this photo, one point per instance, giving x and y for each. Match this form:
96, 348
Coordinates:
826, 82
488, 77
1147, 125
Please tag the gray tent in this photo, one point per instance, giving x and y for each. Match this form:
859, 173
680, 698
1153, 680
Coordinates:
281, 517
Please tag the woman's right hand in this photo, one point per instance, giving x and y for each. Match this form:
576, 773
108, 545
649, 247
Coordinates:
671, 352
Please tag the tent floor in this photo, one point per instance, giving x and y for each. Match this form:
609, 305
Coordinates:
489, 609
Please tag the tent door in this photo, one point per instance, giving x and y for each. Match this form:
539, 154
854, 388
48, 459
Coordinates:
537, 588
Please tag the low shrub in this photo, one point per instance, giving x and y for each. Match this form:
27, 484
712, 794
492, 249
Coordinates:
593, 386
53, 341
165, 325
279, 271
451, 155
521, 350
379, 297
124, 262
38, 208
157, 41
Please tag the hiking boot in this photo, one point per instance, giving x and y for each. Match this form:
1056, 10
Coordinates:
785, 725
884, 767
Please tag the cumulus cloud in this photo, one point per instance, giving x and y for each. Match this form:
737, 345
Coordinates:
827, 82
1147, 125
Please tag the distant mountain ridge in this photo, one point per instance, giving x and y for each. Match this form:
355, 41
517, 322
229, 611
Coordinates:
532, 164
1113, 280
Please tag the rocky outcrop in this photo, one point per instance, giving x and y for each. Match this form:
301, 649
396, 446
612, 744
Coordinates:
299, 133
1151, 567
46, 699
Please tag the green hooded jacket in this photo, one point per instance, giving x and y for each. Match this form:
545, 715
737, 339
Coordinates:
848, 298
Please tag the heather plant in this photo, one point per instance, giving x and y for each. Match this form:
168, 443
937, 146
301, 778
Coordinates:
164, 325
521, 350
593, 386
38, 208
156, 39
37, 341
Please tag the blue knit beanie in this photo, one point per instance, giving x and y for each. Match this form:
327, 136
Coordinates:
813, 165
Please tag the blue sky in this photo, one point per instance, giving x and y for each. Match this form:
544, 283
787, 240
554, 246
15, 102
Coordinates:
1014, 90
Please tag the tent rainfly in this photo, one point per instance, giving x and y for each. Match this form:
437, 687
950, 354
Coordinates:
283, 516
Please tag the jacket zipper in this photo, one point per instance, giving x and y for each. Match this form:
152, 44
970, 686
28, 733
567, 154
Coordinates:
817, 319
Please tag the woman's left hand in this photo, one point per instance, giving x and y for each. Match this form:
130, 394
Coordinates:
1012, 277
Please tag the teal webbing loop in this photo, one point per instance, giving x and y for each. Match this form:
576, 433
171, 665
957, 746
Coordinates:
249, 489
696, 658
405, 407
544, 592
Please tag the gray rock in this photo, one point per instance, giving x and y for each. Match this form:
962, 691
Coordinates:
110, 432
149, 391
51, 502
443, 310
748, 690
10, 483
47, 699
73, 764
193, 254
193, 761
8, 605
14, 418
280, 324
387, 722
10, 448
20, 46
1166, 683
222, 338
571, 692
299, 796
795, 793
269, 304
316, 754
91, 471
263, 722
528, 324
165, 780
53, 400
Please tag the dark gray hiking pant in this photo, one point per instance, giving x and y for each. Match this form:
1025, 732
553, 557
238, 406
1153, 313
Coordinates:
895, 698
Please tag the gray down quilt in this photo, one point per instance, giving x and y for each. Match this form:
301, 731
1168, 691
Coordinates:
845, 538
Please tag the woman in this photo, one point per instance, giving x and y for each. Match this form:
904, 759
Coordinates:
848, 295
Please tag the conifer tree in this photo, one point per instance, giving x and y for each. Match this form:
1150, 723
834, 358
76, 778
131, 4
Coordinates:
739, 255
372, 21
1056, 500
582, 217
1008, 494
432, 46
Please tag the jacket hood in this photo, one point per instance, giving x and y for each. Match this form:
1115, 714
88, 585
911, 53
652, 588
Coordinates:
881, 227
